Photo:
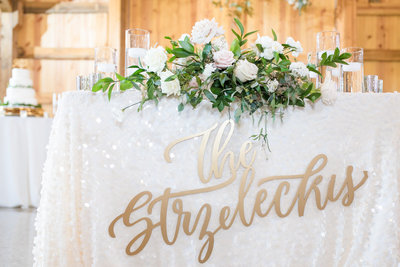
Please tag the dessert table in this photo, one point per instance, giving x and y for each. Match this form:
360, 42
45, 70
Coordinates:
23, 144
162, 188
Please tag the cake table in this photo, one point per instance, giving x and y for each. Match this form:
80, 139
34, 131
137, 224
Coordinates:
23, 144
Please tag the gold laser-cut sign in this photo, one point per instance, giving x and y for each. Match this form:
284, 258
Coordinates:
219, 158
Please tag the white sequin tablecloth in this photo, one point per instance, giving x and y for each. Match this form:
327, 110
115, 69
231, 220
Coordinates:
23, 144
100, 159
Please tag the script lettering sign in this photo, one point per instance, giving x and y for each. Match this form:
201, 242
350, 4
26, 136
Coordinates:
188, 223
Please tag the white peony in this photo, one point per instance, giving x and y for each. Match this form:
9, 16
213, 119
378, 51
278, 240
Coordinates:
205, 30
329, 91
172, 87
269, 46
297, 46
208, 70
220, 43
245, 71
299, 69
272, 85
155, 59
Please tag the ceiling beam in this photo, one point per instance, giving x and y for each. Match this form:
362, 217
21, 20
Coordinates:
381, 55
60, 53
57, 7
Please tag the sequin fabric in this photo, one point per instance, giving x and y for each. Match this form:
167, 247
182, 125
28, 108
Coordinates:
99, 158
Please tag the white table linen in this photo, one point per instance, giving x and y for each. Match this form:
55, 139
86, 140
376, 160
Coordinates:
23, 144
99, 160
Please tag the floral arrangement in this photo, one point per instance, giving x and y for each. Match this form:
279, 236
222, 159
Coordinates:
263, 77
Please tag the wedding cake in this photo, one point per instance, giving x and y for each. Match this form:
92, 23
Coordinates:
20, 91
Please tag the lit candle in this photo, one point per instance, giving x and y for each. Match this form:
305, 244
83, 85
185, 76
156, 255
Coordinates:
106, 67
137, 52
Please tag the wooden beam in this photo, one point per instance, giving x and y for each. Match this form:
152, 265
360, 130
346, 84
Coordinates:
378, 9
345, 21
64, 7
378, 12
60, 53
381, 55
5, 5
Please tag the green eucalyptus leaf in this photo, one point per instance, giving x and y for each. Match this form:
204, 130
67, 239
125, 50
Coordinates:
181, 107
240, 25
345, 56
125, 85
120, 77
186, 45
97, 86
136, 86
235, 48
249, 33
276, 56
260, 47
274, 34
110, 91
206, 50
237, 114
210, 96
237, 35
181, 53
171, 78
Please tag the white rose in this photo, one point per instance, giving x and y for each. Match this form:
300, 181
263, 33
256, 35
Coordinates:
245, 71
277, 47
299, 69
172, 87
272, 85
205, 30
269, 46
155, 59
329, 91
223, 58
297, 46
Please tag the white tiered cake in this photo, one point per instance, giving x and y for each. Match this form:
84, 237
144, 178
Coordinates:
20, 91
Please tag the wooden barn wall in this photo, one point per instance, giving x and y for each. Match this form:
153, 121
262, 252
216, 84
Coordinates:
378, 27
164, 17
372, 26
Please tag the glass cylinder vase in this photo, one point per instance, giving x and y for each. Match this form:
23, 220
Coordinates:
137, 42
327, 42
105, 61
353, 73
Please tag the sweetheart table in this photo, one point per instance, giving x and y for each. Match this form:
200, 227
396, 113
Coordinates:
162, 188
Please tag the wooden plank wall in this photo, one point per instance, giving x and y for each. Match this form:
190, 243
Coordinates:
164, 17
56, 33
377, 31
372, 26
